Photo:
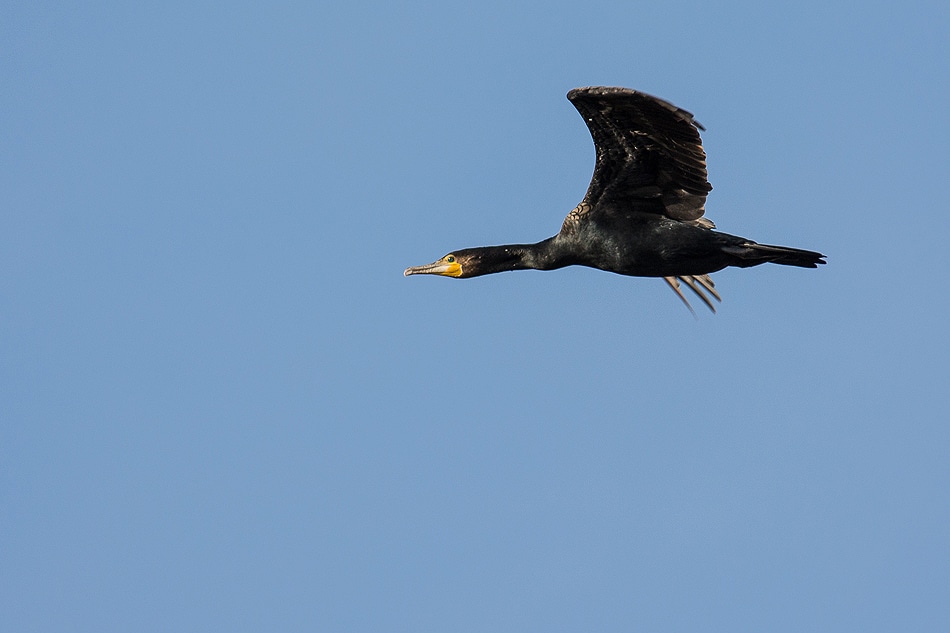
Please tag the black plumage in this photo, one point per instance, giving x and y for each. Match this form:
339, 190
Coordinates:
643, 212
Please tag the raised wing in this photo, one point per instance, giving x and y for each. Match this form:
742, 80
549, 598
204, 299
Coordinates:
647, 150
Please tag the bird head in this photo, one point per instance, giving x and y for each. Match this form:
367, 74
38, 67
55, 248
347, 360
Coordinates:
474, 262
448, 266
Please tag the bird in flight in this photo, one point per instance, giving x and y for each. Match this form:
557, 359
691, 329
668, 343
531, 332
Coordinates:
643, 212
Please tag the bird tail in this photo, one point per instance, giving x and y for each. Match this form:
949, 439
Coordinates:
753, 254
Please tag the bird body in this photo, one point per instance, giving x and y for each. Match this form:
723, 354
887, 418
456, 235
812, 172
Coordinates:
642, 214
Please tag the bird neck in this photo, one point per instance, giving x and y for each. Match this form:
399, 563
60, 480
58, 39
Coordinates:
495, 259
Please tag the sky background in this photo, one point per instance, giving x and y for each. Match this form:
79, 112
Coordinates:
223, 408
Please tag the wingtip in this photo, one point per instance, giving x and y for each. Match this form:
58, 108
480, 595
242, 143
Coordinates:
611, 91
599, 91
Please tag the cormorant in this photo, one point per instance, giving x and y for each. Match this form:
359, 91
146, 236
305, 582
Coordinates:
642, 215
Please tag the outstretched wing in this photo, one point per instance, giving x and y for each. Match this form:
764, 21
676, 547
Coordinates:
648, 151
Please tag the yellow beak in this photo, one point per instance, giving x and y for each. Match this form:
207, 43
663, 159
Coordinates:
441, 267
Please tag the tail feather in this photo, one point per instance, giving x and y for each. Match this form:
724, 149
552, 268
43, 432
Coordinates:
753, 254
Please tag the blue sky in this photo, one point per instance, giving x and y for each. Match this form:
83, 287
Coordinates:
222, 407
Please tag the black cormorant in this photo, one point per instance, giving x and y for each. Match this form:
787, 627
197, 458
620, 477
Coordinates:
642, 215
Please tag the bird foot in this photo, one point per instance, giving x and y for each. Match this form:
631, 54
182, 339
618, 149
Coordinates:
702, 285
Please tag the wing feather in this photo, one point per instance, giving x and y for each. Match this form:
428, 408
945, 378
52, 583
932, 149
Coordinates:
647, 150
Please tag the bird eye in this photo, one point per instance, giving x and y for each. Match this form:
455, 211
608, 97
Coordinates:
450, 259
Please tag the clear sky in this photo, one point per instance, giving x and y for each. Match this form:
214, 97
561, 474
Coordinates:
223, 408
